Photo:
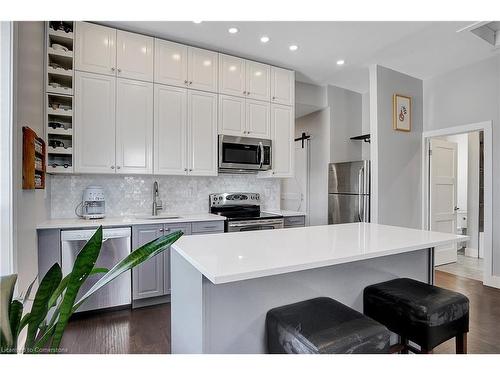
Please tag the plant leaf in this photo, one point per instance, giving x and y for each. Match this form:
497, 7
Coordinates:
7, 285
64, 283
135, 258
84, 263
40, 306
15, 313
28, 291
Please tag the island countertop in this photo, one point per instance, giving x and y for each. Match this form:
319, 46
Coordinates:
230, 257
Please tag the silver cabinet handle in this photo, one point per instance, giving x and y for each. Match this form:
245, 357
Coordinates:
113, 69
118, 167
190, 82
119, 70
112, 167
185, 169
185, 81
244, 92
161, 229
274, 98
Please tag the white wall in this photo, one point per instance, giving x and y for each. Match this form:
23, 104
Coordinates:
309, 98
317, 124
31, 206
346, 122
468, 95
395, 155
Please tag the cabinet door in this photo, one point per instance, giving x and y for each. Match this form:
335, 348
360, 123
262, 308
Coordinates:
282, 86
134, 56
95, 48
169, 228
232, 75
202, 133
94, 125
202, 69
258, 119
231, 115
282, 136
134, 126
170, 63
147, 278
170, 130
258, 80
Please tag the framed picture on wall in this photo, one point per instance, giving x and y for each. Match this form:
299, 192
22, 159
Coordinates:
401, 117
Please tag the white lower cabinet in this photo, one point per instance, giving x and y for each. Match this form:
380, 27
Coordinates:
94, 127
134, 126
202, 133
170, 130
282, 136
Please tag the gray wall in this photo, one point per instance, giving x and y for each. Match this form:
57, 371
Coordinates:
396, 155
30, 206
346, 122
467, 95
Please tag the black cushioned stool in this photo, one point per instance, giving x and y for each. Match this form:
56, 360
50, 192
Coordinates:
422, 313
323, 325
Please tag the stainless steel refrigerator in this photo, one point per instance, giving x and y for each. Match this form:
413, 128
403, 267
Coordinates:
349, 192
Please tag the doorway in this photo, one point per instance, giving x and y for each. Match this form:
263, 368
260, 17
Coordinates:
458, 198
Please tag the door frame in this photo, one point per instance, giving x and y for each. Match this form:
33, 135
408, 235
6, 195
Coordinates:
485, 126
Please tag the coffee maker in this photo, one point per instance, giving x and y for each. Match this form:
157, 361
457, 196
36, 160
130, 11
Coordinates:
93, 203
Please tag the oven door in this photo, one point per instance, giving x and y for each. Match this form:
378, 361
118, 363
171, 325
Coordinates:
244, 154
251, 225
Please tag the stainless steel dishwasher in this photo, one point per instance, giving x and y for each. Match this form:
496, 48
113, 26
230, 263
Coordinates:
115, 247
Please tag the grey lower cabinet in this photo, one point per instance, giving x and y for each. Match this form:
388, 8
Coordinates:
294, 221
152, 278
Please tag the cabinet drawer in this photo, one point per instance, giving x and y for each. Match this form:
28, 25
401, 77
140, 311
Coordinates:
207, 227
295, 221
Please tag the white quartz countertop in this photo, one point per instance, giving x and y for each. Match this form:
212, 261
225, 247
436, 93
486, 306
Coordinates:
229, 257
126, 221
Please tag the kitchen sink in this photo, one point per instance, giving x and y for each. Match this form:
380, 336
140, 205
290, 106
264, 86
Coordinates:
157, 217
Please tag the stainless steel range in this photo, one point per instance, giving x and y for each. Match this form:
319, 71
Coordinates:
242, 212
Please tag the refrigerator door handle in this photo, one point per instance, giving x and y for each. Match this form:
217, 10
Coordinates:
360, 194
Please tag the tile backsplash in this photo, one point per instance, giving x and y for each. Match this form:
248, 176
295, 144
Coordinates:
129, 195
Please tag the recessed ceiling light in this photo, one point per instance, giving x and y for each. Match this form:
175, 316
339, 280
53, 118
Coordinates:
340, 62
264, 39
197, 21
293, 47
233, 30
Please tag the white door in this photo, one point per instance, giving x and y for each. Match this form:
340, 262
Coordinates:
282, 137
202, 133
282, 86
95, 48
170, 63
134, 56
170, 130
202, 69
232, 74
258, 84
231, 115
134, 126
94, 126
258, 119
443, 195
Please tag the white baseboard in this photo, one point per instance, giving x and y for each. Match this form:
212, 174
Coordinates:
471, 252
493, 281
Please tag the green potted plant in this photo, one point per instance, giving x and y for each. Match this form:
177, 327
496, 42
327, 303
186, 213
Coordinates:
56, 297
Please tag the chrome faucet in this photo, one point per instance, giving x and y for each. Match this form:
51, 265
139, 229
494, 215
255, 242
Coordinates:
157, 204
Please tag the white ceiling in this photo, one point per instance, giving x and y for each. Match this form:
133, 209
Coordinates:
420, 49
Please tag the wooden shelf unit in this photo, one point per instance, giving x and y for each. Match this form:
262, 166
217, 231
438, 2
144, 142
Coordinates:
33, 150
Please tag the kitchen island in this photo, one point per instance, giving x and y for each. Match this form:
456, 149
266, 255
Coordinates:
223, 285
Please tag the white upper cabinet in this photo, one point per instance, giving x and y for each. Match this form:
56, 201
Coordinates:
232, 75
232, 115
94, 127
170, 63
170, 130
258, 80
134, 56
202, 69
202, 133
95, 48
282, 86
134, 126
282, 136
258, 119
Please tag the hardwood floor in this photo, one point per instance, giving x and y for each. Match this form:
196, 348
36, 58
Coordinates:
147, 330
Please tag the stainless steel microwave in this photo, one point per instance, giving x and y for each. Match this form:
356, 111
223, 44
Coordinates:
243, 154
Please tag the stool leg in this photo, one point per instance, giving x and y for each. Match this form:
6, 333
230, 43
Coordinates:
461, 343
404, 341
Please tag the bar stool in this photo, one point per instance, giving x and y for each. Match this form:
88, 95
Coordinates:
323, 325
419, 312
